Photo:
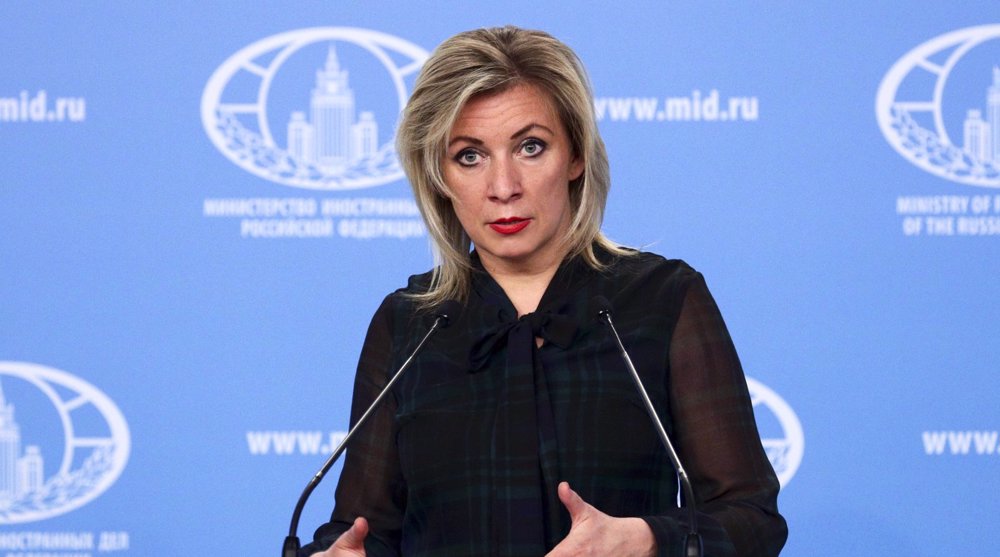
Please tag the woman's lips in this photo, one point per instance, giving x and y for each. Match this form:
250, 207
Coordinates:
511, 225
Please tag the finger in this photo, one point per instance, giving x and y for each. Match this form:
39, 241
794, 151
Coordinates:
572, 501
355, 537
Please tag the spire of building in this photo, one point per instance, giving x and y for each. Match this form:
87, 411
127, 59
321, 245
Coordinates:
331, 80
10, 449
993, 117
332, 63
332, 114
6, 412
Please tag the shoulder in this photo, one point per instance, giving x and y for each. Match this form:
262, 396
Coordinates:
417, 284
400, 305
647, 286
645, 267
397, 314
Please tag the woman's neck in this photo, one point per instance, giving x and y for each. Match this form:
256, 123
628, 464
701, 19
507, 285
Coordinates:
524, 286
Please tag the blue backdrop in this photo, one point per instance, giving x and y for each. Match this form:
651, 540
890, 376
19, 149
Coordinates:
200, 209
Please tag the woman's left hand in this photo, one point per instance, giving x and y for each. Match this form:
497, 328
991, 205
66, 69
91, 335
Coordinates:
595, 533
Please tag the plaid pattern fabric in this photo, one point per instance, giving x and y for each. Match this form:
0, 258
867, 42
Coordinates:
465, 457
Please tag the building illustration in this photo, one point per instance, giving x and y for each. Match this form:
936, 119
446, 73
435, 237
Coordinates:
981, 137
334, 137
19, 473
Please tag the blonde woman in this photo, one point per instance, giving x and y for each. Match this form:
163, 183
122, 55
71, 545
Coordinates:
517, 431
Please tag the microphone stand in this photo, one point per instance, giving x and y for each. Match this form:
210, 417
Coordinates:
292, 545
693, 546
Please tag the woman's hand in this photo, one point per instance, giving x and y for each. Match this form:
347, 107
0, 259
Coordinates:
595, 533
351, 543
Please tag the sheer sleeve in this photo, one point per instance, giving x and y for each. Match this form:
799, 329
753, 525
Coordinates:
371, 484
716, 436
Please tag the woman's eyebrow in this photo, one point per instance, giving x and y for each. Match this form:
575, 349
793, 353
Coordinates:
457, 138
528, 128
515, 135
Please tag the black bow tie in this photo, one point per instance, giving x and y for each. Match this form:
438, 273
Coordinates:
554, 327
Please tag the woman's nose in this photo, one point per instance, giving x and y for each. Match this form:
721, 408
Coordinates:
504, 181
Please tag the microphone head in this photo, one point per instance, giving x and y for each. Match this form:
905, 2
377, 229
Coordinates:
602, 305
447, 311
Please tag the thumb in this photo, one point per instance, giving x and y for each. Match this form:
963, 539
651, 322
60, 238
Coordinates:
575, 504
355, 537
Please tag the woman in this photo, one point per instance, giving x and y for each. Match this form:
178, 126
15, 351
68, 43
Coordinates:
517, 430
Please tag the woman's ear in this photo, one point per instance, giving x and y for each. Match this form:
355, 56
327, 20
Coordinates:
575, 168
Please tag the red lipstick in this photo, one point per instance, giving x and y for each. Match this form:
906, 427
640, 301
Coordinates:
510, 225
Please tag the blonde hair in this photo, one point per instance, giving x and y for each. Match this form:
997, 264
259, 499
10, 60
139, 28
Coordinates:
486, 61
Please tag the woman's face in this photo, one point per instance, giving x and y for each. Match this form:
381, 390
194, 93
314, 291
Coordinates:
508, 163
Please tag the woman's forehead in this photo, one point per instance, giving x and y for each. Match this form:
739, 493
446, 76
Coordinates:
505, 110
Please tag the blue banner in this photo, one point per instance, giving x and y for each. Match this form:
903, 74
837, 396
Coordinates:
201, 207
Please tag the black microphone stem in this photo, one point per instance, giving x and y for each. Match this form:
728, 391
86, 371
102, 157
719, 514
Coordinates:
292, 544
692, 543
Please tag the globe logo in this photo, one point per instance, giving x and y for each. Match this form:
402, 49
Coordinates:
780, 430
939, 106
309, 108
62, 442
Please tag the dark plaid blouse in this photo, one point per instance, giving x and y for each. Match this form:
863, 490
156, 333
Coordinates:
465, 457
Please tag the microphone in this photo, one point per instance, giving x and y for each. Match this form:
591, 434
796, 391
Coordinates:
442, 318
692, 542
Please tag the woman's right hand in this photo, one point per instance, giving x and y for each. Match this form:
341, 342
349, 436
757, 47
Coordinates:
351, 543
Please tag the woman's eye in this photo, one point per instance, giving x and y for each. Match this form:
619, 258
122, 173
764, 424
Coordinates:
467, 158
532, 147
